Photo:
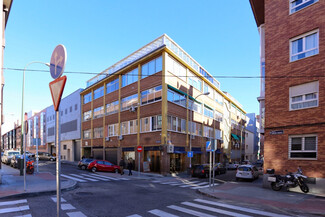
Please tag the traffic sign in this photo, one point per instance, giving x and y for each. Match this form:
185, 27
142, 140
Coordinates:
58, 60
139, 148
57, 87
190, 154
208, 146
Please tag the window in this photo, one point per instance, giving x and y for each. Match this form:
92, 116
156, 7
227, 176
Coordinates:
75, 107
112, 86
70, 109
177, 98
296, 5
86, 134
207, 88
87, 115
66, 111
304, 96
125, 128
303, 147
304, 46
208, 132
99, 92
176, 68
87, 98
98, 112
64, 147
98, 133
156, 122
195, 128
112, 108
151, 95
133, 126
218, 98
145, 124
130, 77
194, 81
129, 101
151, 67
112, 130
208, 112
218, 116
197, 107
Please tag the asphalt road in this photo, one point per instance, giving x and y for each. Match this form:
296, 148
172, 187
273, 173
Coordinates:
106, 194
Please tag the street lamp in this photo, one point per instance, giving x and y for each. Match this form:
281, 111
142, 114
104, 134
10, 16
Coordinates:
23, 146
207, 93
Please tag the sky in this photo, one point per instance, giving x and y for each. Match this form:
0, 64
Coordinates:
221, 36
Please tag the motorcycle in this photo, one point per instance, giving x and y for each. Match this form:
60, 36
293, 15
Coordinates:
30, 167
291, 180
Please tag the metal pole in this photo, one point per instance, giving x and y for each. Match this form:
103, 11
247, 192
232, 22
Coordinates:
25, 164
214, 156
22, 123
210, 170
191, 126
36, 155
138, 164
58, 164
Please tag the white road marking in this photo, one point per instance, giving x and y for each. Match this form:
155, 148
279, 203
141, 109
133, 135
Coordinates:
54, 199
14, 209
76, 214
189, 211
254, 211
28, 215
160, 213
103, 179
198, 187
79, 176
135, 215
215, 210
13, 202
73, 178
67, 206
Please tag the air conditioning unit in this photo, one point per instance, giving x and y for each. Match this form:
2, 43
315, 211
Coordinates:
107, 138
120, 137
133, 109
170, 148
86, 143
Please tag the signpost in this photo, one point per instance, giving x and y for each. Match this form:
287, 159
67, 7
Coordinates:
139, 150
57, 64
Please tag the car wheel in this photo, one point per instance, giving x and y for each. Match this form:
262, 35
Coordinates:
83, 167
116, 171
94, 169
51, 159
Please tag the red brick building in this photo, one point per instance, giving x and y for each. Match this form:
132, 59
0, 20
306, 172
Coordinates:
293, 54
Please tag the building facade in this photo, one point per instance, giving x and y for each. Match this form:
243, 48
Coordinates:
292, 36
157, 98
69, 116
253, 147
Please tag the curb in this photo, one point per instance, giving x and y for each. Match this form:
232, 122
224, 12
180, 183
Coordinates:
33, 194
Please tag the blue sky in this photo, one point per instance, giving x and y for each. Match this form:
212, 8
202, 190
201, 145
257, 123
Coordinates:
220, 35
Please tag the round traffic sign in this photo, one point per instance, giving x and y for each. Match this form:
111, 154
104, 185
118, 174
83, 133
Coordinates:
58, 60
139, 148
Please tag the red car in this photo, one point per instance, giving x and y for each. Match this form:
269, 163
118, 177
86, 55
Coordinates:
103, 165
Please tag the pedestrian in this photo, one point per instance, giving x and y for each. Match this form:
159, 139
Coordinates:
130, 167
122, 165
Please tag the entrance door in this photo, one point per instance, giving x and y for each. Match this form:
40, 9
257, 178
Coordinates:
153, 157
69, 158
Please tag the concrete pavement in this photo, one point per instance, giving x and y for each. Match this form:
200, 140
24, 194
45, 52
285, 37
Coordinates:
13, 184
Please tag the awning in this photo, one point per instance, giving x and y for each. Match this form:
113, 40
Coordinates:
152, 148
176, 90
128, 149
196, 150
179, 150
218, 151
234, 136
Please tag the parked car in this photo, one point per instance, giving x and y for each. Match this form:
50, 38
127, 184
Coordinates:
83, 163
232, 165
247, 172
201, 171
219, 169
259, 166
46, 156
103, 165
7, 155
15, 160
29, 154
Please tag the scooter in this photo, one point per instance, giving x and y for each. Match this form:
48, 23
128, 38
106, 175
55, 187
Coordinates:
30, 167
291, 180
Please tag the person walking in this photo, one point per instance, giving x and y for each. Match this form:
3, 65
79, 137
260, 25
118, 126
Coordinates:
130, 167
122, 165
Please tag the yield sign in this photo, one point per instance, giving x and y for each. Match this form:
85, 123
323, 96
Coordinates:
56, 88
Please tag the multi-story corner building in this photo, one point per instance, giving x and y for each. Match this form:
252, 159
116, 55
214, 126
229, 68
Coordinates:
11, 139
36, 134
292, 45
157, 98
70, 123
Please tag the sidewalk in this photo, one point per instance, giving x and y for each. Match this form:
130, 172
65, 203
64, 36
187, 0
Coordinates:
13, 184
253, 194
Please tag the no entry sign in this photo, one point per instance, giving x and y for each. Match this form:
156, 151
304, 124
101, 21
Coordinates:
139, 148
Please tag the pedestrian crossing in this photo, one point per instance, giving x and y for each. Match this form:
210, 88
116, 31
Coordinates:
206, 208
18, 208
192, 184
70, 210
87, 177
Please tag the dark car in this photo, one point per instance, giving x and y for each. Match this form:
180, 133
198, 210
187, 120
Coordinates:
103, 165
46, 156
83, 164
201, 171
219, 169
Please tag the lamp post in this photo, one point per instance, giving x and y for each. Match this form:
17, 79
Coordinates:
191, 117
23, 145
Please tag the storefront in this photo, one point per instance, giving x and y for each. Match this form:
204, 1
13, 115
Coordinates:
177, 159
197, 153
152, 158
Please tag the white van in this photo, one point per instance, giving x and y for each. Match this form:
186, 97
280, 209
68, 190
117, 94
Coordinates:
7, 155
